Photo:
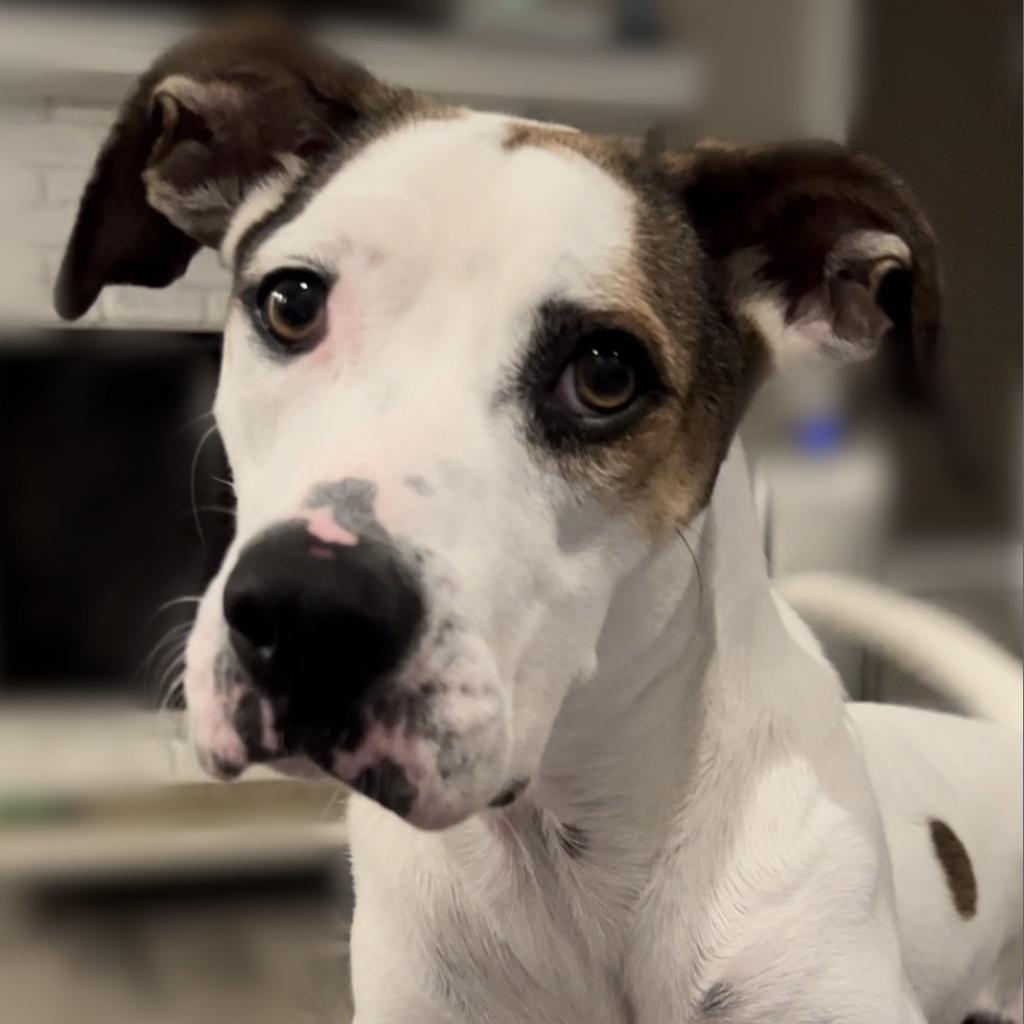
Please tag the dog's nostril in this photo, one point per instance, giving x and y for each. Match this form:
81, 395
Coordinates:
253, 631
254, 623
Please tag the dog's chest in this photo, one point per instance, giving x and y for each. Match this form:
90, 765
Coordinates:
530, 965
513, 924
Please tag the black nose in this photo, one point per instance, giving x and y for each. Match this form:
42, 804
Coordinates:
317, 623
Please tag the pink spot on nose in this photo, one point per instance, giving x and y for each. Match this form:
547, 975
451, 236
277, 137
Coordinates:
319, 551
322, 525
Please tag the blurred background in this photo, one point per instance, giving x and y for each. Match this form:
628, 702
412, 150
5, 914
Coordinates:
154, 896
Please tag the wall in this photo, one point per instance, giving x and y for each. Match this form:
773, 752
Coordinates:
941, 102
47, 148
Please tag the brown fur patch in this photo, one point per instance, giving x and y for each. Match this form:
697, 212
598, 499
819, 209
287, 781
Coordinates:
797, 206
662, 471
599, 148
956, 864
795, 221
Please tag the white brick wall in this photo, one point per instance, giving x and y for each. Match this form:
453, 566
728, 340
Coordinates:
47, 149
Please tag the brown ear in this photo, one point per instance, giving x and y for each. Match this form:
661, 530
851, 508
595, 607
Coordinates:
213, 117
823, 252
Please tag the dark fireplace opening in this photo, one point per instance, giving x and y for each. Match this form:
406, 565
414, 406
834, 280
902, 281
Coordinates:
109, 510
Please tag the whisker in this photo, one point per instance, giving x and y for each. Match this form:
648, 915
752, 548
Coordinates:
174, 692
172, 635
172, 664
161, 674
173, 603
680, 533
186, 427
172, 640
192, 480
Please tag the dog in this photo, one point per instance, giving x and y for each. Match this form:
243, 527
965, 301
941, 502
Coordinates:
497, 566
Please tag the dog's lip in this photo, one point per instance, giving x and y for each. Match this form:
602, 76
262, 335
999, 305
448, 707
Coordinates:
382, 759
292, 765
428, 814
220, 768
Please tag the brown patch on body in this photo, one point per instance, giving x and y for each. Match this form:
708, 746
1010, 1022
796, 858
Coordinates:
957, 867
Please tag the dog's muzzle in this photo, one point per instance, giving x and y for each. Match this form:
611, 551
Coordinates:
316, 626
333, 657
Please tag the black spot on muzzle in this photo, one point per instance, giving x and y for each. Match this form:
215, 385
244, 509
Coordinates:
387, 784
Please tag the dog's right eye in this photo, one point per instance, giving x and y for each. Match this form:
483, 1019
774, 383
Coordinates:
603, 377
293, 307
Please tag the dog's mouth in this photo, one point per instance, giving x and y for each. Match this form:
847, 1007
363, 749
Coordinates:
431, 752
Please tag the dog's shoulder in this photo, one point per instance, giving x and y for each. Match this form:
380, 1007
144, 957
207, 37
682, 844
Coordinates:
772, 878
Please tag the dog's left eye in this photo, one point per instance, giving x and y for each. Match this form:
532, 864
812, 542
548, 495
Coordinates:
293, 307
606, 374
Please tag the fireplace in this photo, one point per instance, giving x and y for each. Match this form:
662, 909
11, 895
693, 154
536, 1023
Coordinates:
107, 511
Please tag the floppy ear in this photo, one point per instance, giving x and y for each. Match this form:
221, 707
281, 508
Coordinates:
823, 253
214, 117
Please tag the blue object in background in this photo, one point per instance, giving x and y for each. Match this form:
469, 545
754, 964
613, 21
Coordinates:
820, 435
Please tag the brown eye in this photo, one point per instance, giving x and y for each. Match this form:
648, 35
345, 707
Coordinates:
293, 305
603, 376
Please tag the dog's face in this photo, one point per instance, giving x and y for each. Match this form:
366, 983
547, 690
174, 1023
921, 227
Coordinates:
475, 372
449, 405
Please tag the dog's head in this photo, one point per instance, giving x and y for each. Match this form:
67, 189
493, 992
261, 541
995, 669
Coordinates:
476, 370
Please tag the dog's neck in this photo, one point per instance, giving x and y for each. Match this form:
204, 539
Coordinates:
687, 665
627, 743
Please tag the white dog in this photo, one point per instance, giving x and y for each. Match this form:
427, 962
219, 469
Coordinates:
497, 567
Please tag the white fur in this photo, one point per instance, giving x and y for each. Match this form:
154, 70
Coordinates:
444, 244
738, 819
259, 201
809, 338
